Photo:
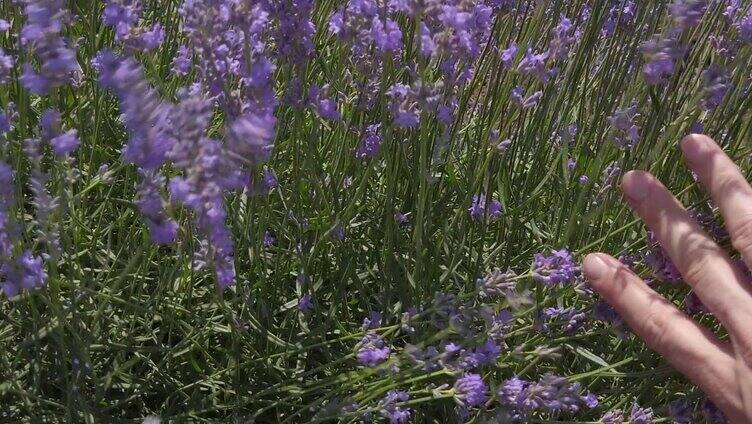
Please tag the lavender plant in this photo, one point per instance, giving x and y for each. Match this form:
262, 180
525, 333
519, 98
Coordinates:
347, 211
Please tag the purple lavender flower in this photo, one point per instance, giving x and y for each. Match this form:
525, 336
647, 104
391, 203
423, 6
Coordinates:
564, 36
625, 131
534, 64
144, 113
552, 394
325, 107
454, 358
372, 322
49, 124
151, 204
731, 10
338, 232
427, 359
268, 180
613, 417
27, 272
621, 15
405, 113
6, 66
661, 57
518, 98
46, 205
387, 35
687, 13
606, 313
509, 391
487, 353
660, 263
680, 412
41, 35
208, 174
504, 145
470, 390
590, 400
66, 143
715, 87
294, 33
11, 278
6, 124
497, 283
744, 26
401, 219
693, 305
225, 39
8, 231
480, 208
123, 16
712, 413
607, 180
508, 55
371, 142
566, 320
477, 207
305, 303
584, 179
182, 62
361, 24
372, 350
709, 223
725, 46
269, 239
250, 138
557, 268
640, 415
390, 410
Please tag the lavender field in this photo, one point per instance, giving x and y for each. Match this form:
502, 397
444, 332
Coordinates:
289, 211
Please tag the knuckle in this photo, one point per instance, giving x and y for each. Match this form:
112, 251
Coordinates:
745, 352
741, 237
655, 326
726, 183
698, 270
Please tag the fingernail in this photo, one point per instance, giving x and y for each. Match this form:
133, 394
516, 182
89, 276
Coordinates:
595, 267
695, 147
636, 185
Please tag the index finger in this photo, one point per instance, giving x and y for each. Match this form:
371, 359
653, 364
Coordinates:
686, 345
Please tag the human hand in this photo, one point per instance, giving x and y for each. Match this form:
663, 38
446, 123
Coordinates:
723, 370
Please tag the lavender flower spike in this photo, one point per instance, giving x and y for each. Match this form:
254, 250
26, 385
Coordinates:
557, 268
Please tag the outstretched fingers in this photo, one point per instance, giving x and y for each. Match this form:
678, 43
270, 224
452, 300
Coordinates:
687, 346
726, 185
705, 266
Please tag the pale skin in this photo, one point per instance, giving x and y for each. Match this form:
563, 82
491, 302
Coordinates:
722, 369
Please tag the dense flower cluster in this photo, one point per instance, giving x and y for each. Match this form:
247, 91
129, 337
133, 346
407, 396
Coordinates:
470, 390
23, 271
550, 394
391, 410
41, 35
146, 118
282, 137
559, 267
560, 320
124, 16
372, 350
